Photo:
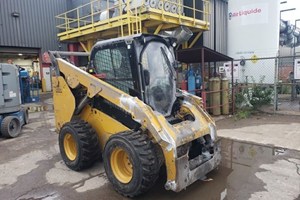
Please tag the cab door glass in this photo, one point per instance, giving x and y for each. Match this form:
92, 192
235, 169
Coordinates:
114, 66
158, 60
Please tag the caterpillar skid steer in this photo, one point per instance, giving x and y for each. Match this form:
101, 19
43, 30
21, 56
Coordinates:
125, 107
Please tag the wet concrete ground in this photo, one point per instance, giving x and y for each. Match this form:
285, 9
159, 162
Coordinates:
267, 129
31, 169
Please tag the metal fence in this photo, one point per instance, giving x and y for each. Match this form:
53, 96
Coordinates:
288, 84
272, 83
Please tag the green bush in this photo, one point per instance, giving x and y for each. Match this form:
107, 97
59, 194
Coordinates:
261, 96
285, 89
254, 96
242, 114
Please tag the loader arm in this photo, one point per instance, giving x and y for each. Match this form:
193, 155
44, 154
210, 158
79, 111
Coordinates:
139, 111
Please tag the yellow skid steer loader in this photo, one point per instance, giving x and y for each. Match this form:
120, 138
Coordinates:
126, 107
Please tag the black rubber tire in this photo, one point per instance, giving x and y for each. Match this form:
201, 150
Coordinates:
141, 153
10, 127
87, 143
26, 115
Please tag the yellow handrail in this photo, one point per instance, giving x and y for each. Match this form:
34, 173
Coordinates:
132, 11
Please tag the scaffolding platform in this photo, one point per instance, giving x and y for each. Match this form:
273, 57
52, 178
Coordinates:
102, 19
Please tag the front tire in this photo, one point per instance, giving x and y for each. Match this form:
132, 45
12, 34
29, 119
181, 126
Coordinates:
10, 127
79, 145
130, 163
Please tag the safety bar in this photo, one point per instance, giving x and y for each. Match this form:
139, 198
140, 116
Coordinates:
68, 53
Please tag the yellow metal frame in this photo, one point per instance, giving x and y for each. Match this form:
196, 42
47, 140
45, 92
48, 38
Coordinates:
138, 18
88, 45
195, 40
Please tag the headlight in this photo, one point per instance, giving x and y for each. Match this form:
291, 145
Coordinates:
213, 131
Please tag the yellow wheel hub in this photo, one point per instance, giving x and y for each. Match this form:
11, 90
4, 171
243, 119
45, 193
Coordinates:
121, 165
70, 146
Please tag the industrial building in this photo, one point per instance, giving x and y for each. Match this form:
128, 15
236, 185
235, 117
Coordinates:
149, 99
28, 29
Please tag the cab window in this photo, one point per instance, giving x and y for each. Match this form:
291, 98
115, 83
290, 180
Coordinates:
114, 66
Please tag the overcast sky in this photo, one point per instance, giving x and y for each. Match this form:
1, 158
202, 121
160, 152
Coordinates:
291, 15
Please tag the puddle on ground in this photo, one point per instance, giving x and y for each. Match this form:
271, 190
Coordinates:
247, 171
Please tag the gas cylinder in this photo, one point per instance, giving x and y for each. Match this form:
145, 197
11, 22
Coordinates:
214, 97
198, 80
198, 83
183, 85
191, 81
225, 96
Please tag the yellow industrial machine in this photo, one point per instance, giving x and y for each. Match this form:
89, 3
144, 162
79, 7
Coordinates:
126, 106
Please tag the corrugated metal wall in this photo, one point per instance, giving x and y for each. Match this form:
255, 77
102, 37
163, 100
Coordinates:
35, 26
76, 3
85, 10
221, 27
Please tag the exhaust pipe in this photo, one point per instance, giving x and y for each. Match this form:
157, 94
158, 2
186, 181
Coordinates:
181, 34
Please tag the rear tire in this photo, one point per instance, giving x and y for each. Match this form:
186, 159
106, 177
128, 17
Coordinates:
26, 115
10, 127
131, 163
79, 145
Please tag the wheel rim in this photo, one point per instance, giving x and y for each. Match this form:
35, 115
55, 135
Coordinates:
121, 165
13, 126
70, 146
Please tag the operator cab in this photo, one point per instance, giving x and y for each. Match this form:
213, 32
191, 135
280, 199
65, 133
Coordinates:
139, 65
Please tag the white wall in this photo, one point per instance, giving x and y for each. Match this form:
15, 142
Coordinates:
253, 31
